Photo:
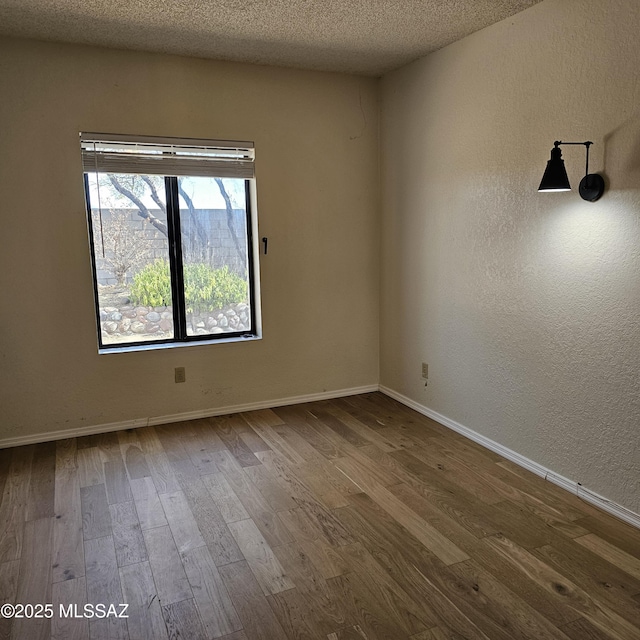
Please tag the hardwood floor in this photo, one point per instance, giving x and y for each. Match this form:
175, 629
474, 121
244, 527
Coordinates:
354, 518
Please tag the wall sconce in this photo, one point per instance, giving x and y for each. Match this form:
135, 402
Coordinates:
555, 176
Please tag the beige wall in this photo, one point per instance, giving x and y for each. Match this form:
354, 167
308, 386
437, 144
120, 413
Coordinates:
526, 306
316, 145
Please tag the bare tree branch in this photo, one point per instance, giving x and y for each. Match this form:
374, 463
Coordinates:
231, 222
196, 226
143, 212
154, 194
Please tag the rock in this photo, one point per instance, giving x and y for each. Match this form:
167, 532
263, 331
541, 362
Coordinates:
125, 325
152, 328
138, 327
110, 327
110, 309
216, 330
166, 324
223, 322
153, 316
141, 311
210, 323
116, 316
166, 315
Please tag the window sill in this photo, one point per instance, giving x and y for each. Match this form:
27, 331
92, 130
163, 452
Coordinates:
178, 345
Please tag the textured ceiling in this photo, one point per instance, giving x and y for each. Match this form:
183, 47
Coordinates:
357, 36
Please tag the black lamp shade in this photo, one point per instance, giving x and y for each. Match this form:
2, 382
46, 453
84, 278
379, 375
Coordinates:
555, 176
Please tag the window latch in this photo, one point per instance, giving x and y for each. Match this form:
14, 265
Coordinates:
265, 241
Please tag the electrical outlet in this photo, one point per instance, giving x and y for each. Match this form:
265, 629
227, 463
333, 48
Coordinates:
425, 370
180, 375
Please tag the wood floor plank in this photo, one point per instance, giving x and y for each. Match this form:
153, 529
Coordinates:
367, 434
127, 534
582, 629
171, 582
135, 461
324, 521
230, 506
181, 521
139, 591
292, 612
103, 587
70, 593
572, 507
210, 523
117, 482
430, 513
590, 574
183, 620
149, 441
299, 421
401, 607
96, 519
324, 557
619, 534
407, 562
621, 559
68, 549
279, 499
217, 612
42, 482
148, 504
353, 437
90, 469
363, 610
223, 426
264, 422
573, 597
204, 430
494, 608
253, 501
162, 473
8, 590
260, 557
5, 464
198, 453
249, 436
13, 507
299, 444
257, 617
319, 601
432, 539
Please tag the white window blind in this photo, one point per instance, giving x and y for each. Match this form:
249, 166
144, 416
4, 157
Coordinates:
111, 153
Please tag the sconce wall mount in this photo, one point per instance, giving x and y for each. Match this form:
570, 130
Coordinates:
555, 176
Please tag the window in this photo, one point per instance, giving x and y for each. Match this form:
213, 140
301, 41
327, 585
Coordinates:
171, 228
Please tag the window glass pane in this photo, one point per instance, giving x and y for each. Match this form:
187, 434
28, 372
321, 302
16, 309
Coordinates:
131, 250
213, 224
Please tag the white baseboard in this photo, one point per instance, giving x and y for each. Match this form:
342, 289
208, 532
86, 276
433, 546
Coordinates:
181, 417
569, 485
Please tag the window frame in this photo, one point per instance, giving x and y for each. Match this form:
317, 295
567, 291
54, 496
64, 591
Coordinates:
175, 257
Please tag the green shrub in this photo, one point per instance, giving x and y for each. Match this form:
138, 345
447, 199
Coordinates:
151, 286
205, 288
